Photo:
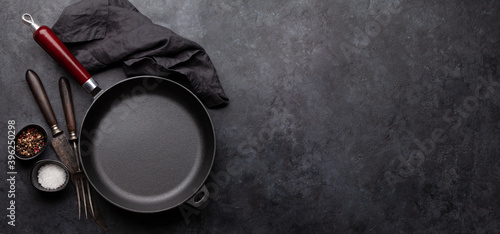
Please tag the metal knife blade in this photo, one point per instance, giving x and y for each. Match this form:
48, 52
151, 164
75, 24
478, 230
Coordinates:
64, 151
67, 101
59, 141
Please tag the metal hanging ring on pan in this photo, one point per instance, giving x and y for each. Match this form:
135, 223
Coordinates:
147, 144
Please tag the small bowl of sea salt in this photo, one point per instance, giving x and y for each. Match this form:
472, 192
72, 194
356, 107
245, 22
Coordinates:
49, 175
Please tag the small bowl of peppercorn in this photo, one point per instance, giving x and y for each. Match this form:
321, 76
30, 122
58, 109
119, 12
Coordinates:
30, 142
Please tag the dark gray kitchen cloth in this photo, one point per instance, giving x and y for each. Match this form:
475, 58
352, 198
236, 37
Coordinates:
106, 33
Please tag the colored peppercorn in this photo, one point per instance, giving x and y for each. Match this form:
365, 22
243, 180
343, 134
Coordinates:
30, 142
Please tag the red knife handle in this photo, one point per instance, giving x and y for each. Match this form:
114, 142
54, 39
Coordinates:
46, 38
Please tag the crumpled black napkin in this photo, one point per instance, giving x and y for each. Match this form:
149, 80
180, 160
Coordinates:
104, 33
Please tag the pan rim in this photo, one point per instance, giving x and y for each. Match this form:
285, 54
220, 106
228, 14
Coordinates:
212, 154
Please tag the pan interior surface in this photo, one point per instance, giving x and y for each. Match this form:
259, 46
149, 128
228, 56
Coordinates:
147, 144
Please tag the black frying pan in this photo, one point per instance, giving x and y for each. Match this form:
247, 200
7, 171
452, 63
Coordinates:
147, 144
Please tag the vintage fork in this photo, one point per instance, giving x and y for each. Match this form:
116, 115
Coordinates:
80, 180
78, 177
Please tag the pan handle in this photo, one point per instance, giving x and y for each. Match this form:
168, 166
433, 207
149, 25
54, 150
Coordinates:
46, 38
199, 197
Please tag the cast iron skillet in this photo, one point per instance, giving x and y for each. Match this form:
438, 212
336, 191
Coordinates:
147, 144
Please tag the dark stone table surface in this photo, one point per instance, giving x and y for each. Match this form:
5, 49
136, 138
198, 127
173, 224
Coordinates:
371, 116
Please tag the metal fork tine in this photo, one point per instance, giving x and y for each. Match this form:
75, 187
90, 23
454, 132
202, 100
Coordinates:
90, 199
77, 175
79, 202
84, 197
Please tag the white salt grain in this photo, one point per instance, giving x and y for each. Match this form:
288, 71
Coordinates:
51, 176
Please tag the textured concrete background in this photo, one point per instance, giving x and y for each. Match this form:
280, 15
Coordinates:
345, 116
